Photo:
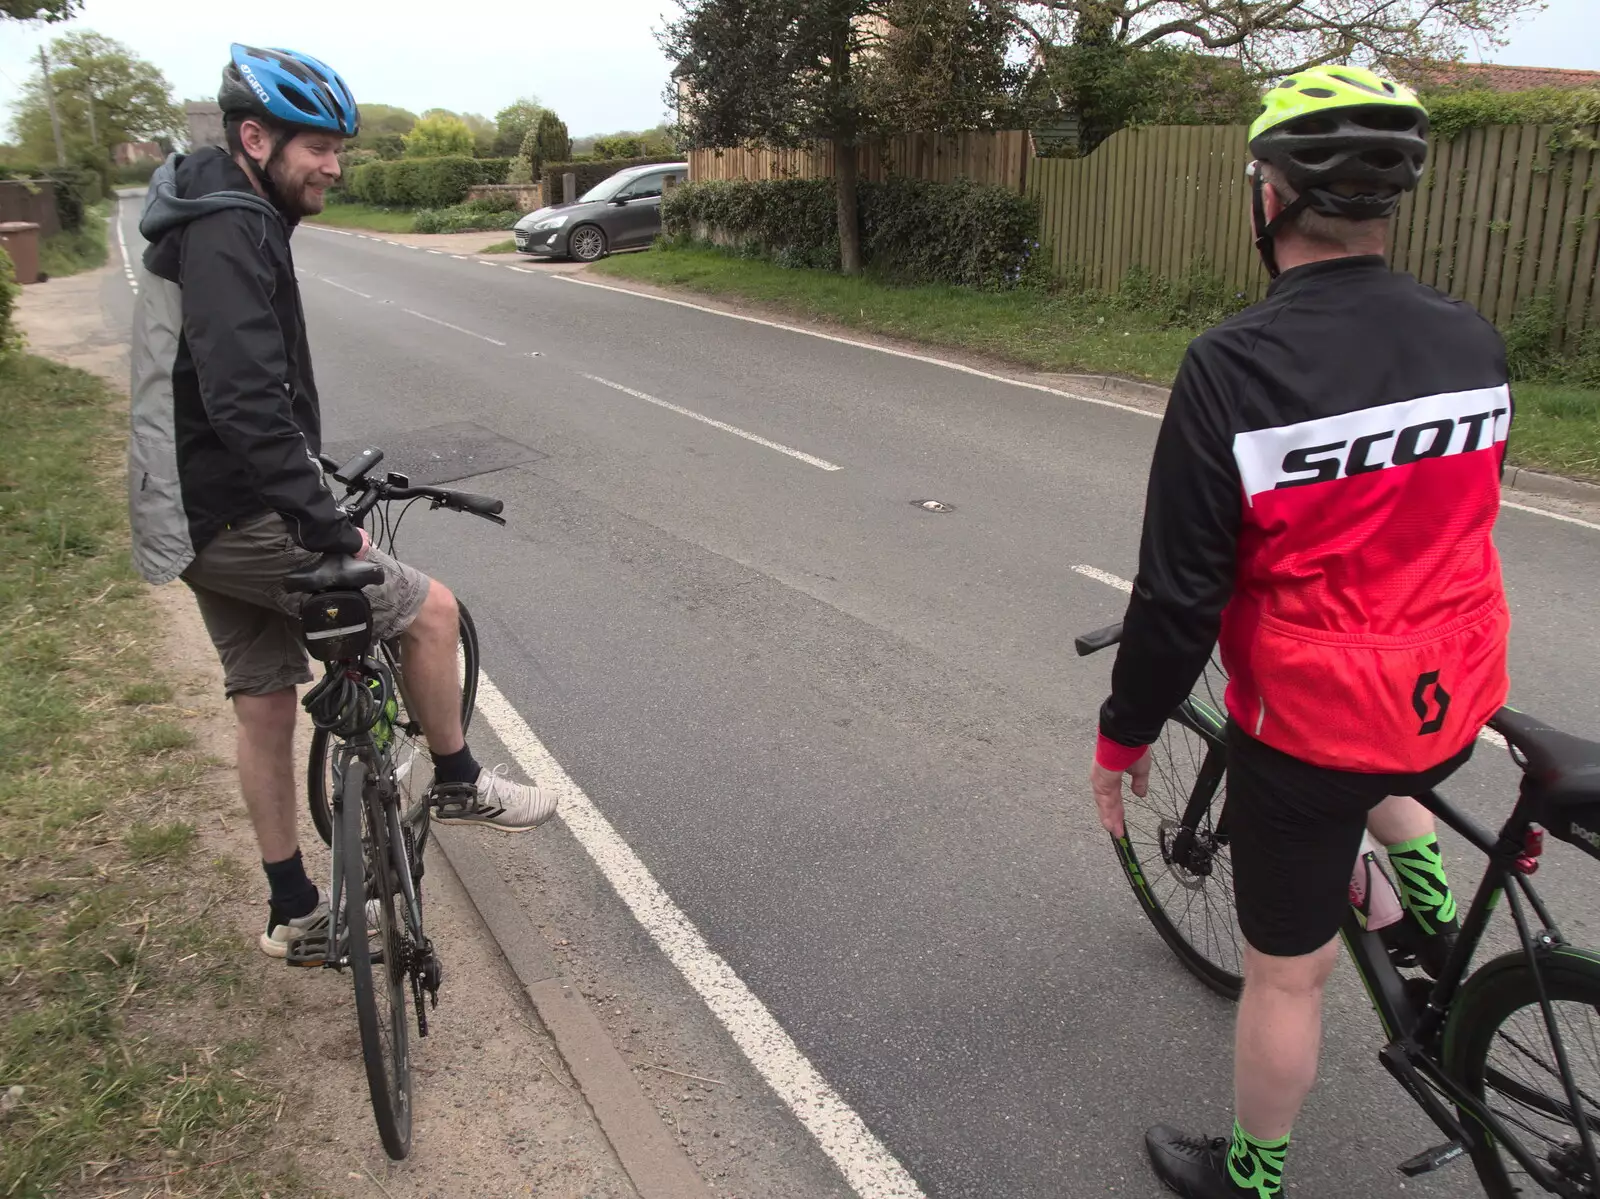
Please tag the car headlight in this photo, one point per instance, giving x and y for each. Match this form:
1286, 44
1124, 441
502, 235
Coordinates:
550, 222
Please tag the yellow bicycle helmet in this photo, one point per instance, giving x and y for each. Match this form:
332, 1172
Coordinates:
1338, 124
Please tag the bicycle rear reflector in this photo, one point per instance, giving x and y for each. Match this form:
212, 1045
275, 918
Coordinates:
337, 625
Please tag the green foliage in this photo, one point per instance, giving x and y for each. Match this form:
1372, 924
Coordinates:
422, 182
74, 250
387, 146
10, 336
633, 145
1454, 112
492, 212
1197, 299
591, 173
439, 136
551, 141
1532, 353
77, 190
912, 230
39, 10
384, 119
513, 123
135, 172
945, 67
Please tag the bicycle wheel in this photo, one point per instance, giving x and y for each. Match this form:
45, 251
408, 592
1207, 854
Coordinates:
1498, 1046
1176, 858
412, 766
377, 963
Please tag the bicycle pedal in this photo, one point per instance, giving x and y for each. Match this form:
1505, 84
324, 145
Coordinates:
1430, 1160
307, 952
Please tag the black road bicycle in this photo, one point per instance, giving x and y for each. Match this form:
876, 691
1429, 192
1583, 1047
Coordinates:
1506, 1060
367, 792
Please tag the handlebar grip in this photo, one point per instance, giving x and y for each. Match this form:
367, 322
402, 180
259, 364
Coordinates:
1098, 640
483, 505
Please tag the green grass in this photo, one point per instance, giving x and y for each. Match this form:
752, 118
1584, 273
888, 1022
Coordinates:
365, 216
509, 246
1557, 427
102, 932
83, 249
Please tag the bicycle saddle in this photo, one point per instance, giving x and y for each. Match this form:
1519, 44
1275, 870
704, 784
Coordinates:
1568, 767
336, 572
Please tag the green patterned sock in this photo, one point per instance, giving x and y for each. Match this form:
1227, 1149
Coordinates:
1419, 872
1256, 1167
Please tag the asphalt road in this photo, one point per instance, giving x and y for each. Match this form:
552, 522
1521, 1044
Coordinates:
848, 735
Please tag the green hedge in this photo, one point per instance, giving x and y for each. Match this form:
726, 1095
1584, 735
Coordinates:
590, 173
10, 335
1451, 113
422, 182
965, 233
497, 212
138, 172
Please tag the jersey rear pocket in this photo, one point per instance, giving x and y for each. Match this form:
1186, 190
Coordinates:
1375, 703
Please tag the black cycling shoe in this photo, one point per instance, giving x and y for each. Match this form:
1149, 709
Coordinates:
1190, 1166
1411, 946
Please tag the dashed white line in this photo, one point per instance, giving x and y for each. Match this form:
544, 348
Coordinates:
821, 463
424, 316
1122, 585
344, 287
462, 257
482, 262
436, 251
867, 1165
521, 270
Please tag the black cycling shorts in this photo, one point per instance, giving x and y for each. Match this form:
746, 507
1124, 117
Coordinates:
1294, 830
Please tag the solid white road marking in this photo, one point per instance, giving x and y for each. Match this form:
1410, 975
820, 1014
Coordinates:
867, 345
822, 463
867, 1165
1562, 516
122, 247
343, 287
1122, 585
448, 325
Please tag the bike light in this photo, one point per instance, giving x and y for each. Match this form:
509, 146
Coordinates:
1532, 848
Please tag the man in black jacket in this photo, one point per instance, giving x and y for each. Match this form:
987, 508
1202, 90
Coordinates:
225, 489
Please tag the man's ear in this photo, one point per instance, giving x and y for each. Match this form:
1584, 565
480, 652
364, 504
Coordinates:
257, 139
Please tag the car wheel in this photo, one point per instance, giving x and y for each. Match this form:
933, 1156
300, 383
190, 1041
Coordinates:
587, 243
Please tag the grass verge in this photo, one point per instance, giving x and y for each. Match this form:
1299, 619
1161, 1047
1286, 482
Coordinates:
105, 951
82, 249
365, 216
1557, 427
509, 246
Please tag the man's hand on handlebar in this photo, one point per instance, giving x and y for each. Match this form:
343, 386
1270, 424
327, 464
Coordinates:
366, 544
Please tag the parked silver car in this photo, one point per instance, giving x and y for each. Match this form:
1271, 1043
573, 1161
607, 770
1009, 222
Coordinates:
622, 211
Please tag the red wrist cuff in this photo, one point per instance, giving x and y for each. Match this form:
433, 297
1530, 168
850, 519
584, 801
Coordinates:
1113, 755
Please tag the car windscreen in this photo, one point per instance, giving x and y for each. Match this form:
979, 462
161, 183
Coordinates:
606, 188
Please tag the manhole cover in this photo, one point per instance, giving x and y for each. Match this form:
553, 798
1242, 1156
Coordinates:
933, 505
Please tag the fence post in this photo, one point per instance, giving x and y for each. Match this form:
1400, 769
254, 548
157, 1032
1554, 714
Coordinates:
569, 187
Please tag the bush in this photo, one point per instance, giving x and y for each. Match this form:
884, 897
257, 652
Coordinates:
1194, 300
423, 182
1452, 113
1531, 354
590, 173
137, 172
10, 335
914, 231
494, 212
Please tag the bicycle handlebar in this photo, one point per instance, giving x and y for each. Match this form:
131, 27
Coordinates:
353, 475
1098, 640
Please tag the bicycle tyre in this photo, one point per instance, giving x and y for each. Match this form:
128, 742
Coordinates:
408, 750
1179, 755
1496, 995
367, 868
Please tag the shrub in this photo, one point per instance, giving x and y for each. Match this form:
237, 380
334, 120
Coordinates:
965, 233
423, 182
10, 335
136, 172
590, 173
1452, 113
1194, 300
1532, 356
77, 190
493, 212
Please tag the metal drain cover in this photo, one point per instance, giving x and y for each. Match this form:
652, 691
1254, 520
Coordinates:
933, 505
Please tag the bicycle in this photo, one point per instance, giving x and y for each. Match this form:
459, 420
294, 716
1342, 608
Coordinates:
376, 827
1477, 1052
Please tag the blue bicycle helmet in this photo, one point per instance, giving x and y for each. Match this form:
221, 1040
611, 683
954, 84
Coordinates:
289, 88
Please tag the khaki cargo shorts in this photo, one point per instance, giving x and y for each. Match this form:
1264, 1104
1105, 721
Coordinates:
254, 622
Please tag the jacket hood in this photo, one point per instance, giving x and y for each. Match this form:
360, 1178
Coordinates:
188, 186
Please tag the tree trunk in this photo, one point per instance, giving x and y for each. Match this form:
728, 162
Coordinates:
845, 169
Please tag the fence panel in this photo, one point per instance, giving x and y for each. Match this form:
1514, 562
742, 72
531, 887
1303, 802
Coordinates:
998, 157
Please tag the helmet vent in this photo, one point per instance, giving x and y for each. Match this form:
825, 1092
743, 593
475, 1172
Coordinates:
299, 99
1385, 119
1321, 93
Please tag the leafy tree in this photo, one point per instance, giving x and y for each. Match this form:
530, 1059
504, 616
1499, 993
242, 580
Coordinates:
387, 146
512, 124
619, 145
788, 72
104, 94
436, 134
385, 118
1275, 37
551, 142
39, 10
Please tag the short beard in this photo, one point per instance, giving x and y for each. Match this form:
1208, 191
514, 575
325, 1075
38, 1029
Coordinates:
291, 196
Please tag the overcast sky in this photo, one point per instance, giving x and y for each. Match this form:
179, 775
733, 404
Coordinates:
596, 63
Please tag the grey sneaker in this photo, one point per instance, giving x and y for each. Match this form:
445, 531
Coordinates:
495, 800
303, 941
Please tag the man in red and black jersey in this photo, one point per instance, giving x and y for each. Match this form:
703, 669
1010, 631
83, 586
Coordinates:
1320, 506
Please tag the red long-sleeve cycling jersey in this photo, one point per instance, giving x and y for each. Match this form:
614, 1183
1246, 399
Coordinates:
1321, 502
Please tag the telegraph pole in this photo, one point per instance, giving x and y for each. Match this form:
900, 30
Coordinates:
55, 118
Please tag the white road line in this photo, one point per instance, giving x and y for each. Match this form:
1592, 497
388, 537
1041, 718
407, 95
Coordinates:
823, 463
867, 345
521, 270
867, 1165
463, 257
122, 248
448, 325
1562, 516
482, 262
1122, 585
436, 251
1106, 577
343, 287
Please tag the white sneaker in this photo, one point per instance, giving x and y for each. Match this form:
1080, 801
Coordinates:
312, 929
495, 801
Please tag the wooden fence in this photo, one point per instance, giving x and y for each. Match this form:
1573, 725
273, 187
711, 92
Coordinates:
1499, 219
1000, 157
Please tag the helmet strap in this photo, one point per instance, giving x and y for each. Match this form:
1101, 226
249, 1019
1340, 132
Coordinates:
1266, 231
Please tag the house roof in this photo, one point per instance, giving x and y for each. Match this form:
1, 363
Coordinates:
1501, 77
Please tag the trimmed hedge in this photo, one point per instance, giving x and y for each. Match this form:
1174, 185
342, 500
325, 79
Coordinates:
422, 182
590, 173
10, 335
965, 233
1454, 112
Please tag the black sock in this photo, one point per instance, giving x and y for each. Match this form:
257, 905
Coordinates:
293, 893
459, 767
